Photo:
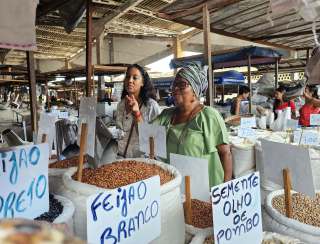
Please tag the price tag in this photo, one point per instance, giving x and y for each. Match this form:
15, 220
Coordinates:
314, 119
306, 137
63, 115
246, 132
248, 122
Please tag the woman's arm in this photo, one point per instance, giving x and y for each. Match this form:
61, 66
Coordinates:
226, 160
134, 108
237, 110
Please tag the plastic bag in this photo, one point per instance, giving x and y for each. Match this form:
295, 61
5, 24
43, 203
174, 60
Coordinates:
313, 67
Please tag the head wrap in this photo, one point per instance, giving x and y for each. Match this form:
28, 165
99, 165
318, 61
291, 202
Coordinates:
196, 77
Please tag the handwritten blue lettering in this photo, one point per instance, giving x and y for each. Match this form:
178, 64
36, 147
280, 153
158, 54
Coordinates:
23, 158
34, 155
3, 156
142, 190
14, 169
41, 179
19, 202
106, 235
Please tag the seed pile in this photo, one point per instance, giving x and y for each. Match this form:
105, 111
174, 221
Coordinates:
67, 163
55, 209
304, 209
209, 240
201, 214
123, 173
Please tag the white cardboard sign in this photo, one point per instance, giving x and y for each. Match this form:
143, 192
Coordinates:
47, 125
244, 132
314, 119
197, 169
87, 114
24, 191
63, 115
248, 122
128, 214
278, 156
158, 133
292, 124
306, 137
237, 211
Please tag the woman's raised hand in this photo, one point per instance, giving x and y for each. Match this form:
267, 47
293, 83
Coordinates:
132, 103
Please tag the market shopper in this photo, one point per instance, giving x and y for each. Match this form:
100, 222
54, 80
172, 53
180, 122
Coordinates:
137, 104
280, 104
237, 106
196, 130
311, 94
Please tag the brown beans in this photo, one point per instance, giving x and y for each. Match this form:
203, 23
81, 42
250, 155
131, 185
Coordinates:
201, 214
305, 209
66, 163
123, 173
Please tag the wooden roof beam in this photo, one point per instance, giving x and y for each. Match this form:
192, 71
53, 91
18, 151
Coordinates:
228, 34
290, 34
100, 25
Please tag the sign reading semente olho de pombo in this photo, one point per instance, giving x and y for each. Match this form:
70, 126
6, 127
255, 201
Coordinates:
128, 214
24, 181
237, 211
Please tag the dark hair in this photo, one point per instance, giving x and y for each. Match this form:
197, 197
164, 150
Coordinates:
313, 90
281, 89
244, 89
147, 90
277, 101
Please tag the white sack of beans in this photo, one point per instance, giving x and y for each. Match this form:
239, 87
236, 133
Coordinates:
66, 217
172, 216
276, 222
242, 158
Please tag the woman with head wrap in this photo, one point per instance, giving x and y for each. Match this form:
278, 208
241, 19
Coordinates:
196, 130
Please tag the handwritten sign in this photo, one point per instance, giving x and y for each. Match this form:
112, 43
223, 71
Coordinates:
158, 133
24, 181
63, 115
306, 137
197, 169
278, 156
248, 122
129, 214
87, 114
237, 211
292, 124
314, 119
246, 132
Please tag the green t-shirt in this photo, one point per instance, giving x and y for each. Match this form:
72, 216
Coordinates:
203, 133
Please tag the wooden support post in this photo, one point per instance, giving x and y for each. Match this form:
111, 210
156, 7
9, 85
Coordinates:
207, 54
83, 144
187, 206
89, 81
32, 92
308, 54
177, 49
276, 74
101, 85
287, 192
249, 83
151, 146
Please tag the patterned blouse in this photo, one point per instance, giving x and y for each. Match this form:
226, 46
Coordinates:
124, 122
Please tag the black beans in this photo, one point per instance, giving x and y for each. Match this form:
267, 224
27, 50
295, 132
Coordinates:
55, 209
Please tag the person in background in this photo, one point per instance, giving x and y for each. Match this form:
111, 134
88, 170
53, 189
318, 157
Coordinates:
137, 104
309, 107
236, 108
169, 100
194, 129
280, 104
